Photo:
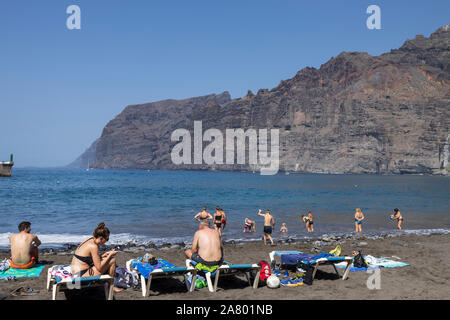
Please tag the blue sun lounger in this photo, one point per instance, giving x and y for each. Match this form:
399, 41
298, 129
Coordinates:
316, 262
228, 269
78, 283
163, 269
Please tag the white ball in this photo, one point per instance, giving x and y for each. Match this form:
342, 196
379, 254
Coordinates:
273, 282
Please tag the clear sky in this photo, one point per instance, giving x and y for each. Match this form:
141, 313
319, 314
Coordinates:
59, 87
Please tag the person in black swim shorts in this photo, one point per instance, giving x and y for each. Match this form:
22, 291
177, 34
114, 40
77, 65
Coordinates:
269, 223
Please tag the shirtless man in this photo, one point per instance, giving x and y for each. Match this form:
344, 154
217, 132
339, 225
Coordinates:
203, 215
24, 247
269, 224
399, 217
207, 247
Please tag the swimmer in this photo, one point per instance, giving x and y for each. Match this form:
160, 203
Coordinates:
269, 224
359, 217
249, 225
308, 221
283, 228
398, 216
218, 218
203, 215
224, 218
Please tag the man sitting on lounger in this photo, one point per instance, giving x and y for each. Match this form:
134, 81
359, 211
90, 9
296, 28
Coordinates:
207, 247
24, 247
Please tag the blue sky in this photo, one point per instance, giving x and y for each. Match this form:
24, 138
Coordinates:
60, 87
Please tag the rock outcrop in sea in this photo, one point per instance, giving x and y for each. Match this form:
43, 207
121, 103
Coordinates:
357, 113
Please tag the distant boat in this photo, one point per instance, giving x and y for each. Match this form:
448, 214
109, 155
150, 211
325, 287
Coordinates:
88, 167
6, 167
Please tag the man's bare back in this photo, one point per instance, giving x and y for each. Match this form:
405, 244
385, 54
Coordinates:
207, 244
24, 246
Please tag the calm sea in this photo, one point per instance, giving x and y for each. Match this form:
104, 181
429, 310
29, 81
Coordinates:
65, 205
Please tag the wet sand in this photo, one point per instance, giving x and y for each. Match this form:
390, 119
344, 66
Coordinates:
426, 278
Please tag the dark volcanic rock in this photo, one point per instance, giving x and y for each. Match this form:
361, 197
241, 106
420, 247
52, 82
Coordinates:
356, 114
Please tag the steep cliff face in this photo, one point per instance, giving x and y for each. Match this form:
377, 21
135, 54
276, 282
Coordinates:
357, 113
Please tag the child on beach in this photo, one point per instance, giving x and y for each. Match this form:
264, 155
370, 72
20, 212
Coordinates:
309, 221
398, 216
269, 224
249, 225
283, 228
359, 217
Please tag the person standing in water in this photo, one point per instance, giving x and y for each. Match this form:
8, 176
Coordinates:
308, 221
269, 224
218, 218
398, 216
224, 218
203, 215
359, 217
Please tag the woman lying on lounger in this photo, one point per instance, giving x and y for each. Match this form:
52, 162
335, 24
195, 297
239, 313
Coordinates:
87, 262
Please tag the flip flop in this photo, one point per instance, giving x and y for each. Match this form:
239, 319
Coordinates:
24, 292
17, 292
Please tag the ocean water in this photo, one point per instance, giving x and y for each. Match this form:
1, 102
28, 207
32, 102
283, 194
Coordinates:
65, 205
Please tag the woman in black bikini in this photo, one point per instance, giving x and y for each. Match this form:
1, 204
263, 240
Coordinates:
218, 217
203, 215
87, 261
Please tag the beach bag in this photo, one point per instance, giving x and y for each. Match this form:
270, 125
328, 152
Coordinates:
265, 270
263, 275
125, 279
308, 272
358, 261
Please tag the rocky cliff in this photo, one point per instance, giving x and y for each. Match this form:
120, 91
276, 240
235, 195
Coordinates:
357, 113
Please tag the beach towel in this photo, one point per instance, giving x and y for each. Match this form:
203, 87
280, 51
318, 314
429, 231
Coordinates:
61, 271
384, 262
375, 263
201, 267
146, 268
34, 271
293, 259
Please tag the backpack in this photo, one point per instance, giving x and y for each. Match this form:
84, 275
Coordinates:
265, 270
358, 261
308, 274
263, 275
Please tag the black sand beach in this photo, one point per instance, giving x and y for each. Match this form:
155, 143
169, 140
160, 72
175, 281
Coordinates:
425, 278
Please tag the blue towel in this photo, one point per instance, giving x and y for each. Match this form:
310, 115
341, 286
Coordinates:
293, 259
34, 271
146, 268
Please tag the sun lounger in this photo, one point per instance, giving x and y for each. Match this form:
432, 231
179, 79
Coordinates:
147, 274
228, 269
317, 262
78, 283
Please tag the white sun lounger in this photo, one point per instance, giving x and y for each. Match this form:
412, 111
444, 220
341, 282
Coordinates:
79, 283
163, 273
227, 269
319, 262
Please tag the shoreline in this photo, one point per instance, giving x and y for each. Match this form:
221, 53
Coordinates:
320, 240
425, 278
